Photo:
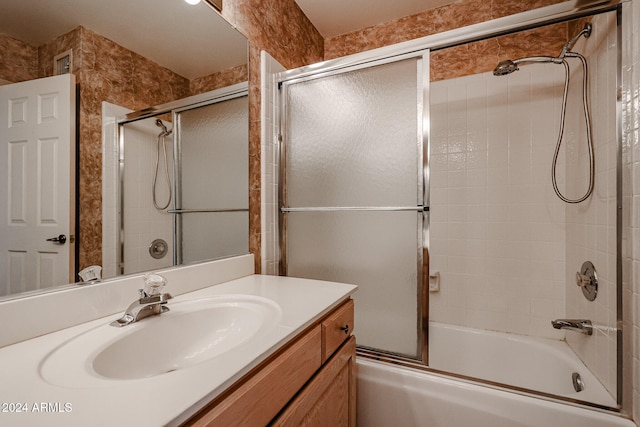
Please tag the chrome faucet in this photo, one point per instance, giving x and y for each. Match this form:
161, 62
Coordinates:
579, 325
151, 302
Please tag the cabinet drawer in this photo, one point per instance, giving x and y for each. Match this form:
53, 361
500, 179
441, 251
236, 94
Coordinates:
336, 328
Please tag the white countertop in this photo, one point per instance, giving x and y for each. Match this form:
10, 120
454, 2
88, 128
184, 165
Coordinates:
27, 399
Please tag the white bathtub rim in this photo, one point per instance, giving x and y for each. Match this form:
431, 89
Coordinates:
469, 382
598, 396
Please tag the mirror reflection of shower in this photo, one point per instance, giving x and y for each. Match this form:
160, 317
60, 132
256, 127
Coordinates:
508, 66
161, 141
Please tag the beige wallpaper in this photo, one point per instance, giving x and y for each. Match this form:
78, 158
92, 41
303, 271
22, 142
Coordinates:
106, 71
280, 28
18, 60
454, 15
219, 80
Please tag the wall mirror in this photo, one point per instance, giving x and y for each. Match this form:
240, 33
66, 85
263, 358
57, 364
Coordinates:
133, 55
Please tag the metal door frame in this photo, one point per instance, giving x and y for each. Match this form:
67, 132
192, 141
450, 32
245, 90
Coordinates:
174, 108
422, 198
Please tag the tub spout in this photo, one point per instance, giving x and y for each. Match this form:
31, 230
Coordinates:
579, 325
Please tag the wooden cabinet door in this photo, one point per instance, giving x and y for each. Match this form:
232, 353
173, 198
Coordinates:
329, 398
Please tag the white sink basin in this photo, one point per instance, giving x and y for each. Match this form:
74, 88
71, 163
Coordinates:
192, 332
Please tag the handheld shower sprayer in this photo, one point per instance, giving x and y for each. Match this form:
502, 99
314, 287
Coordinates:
161, 125
161, 140
508, 66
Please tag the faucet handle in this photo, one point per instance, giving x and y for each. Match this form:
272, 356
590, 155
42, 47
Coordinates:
153, 284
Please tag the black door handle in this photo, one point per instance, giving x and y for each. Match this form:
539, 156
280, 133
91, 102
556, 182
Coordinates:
61, 239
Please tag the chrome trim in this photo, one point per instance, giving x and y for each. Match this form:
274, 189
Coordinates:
201, 100
120, 201
422, 74
282, 180
584, 326
357, 208
318, 72
188, 211
349, 64
619, 219
578, 384
424, 120
177, 195
587, 280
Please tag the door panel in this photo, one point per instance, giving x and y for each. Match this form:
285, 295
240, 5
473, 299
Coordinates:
353, 138
37, 183
213, 177
375, 250
353, 198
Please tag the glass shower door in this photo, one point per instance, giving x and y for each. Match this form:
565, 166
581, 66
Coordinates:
353, 193
212, 181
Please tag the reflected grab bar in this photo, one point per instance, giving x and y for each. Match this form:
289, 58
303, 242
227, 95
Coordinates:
579, 325
185, 211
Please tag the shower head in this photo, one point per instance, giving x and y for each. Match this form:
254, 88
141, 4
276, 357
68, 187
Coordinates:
505, 67
508, 66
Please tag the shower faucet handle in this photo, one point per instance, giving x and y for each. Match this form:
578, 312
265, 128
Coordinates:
587, 280
582, 280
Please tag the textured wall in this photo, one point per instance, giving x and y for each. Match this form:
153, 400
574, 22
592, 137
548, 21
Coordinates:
219, 80
483, 56
18, 60
494, 215
105, 71
457, 14
280, 28
464, 60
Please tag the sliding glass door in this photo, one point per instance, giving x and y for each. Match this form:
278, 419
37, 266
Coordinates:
353, 192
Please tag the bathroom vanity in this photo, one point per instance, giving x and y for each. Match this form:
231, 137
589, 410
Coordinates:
250, 350
311, 381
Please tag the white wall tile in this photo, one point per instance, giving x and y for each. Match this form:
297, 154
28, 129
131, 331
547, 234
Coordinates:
489, 214
517, 224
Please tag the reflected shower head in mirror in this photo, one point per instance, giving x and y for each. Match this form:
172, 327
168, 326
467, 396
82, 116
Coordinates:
165, 132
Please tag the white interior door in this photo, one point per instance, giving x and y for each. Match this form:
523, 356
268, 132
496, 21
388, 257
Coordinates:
37, 183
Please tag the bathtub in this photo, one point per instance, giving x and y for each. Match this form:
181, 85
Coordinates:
540, 364
395, 396
390, 395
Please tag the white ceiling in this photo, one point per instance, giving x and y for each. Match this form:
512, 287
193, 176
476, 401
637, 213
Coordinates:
192, 41
335, 17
